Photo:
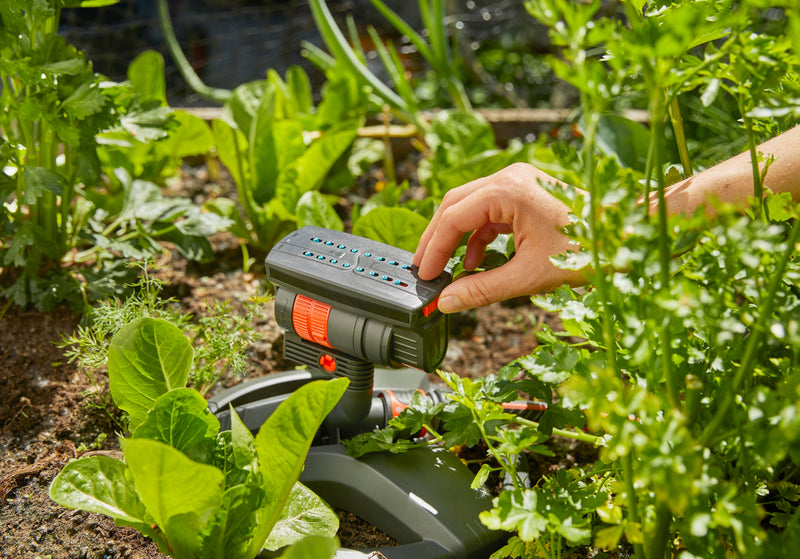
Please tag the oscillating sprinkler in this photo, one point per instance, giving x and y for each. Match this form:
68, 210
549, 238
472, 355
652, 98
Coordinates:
347, 304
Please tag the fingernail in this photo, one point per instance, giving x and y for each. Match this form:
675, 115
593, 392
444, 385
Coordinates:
450, 304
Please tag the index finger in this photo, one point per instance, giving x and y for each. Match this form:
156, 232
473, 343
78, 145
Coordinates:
452, 197
465, 216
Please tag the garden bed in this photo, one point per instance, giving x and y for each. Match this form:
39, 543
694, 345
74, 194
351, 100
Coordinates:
51, 414
47, 417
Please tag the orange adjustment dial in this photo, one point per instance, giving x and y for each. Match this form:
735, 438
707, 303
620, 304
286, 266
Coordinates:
310, 320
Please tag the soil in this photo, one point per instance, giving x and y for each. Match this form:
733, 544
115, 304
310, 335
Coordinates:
49, 413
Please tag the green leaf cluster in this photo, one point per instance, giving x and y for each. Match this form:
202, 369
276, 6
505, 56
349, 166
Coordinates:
288, 157
682, 358
81, 157
196, 491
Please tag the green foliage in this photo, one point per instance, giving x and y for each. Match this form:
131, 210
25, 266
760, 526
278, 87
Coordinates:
463, 148
219, 337
433, 44
74, 148
285, 154
685, 367
196, 491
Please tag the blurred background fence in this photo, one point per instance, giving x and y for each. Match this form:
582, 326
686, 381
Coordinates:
229, 42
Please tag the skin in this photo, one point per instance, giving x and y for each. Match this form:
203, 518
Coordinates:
513, 200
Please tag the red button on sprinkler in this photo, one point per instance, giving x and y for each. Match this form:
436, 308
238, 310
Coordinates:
328, 362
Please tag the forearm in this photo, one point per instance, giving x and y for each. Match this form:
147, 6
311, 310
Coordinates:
732, 181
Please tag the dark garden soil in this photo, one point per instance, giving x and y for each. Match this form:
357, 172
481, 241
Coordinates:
49, 413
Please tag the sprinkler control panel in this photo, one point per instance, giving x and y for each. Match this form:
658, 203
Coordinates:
345, 300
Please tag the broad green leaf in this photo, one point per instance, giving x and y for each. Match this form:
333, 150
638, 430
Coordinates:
201, 224
608, 538
341, 101
244, 449
69, 67
309, 170
146, 359
193, 247
314, 209
516, 513
398, 227
458, 135
243, 104
623, 139
181, 495
192, 137
228, 534
283, 442
146, 74
147, 125
17, 251
231, 147
102, 485
84, 101
289, 143
300, 86
263, 156
37, 181
226, 208
305, 514
312, 547
181, 419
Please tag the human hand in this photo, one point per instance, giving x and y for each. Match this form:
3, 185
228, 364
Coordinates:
509, 201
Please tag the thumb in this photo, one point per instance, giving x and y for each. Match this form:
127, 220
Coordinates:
482, 289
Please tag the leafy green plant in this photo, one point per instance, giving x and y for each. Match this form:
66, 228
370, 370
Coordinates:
62, 226
437, 51
287, 156
196, 491
219, 337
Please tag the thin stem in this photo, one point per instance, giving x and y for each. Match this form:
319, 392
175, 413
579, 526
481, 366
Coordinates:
601, 282
758, 187
680, 135
388, 155
658, 544
507, 465
566, 433
184, 66
630, 493
664, 252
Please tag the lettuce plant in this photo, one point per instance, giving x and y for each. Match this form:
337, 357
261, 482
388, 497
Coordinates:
285, 154
196, 491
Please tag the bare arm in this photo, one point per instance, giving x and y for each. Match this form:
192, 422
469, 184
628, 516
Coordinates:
732, 180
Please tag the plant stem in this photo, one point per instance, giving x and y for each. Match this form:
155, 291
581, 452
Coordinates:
388, 155
630, 493
758, 187
680, 135
566, 433
507, 465
600, 280
754, 340
184, 67
664, 249
658, 544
